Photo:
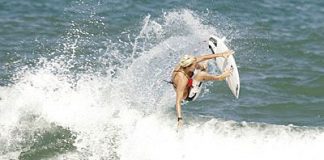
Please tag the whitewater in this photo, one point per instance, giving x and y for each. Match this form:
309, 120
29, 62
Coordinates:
120, 108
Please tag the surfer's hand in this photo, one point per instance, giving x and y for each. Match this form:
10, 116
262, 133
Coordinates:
228, 53
230, 71
226, 73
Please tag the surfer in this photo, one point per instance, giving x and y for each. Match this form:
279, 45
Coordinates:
189, 74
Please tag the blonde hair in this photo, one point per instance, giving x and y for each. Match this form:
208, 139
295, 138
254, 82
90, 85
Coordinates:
186, 60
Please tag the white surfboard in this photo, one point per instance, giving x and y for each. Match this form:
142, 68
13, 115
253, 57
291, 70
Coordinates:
217, 45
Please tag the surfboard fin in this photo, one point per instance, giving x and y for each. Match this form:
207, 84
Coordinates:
213, 40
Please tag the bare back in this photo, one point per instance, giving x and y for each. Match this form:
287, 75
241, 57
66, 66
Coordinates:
180, 81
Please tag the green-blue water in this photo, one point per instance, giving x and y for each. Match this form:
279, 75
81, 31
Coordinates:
84, 79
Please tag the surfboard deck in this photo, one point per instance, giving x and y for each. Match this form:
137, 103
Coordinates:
217, 45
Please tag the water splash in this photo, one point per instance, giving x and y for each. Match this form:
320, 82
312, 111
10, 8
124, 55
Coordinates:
123, 110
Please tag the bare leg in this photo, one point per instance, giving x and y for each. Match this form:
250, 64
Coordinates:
204, 76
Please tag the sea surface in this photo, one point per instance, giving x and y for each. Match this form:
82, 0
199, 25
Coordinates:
83, 79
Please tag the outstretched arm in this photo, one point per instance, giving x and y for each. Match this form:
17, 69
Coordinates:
181, 83
211, 56
179, 95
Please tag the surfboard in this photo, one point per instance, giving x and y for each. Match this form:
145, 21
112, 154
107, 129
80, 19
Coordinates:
217, 45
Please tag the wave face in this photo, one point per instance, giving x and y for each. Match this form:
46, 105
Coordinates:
88, 89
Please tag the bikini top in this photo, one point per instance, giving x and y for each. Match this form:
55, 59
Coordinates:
189, 84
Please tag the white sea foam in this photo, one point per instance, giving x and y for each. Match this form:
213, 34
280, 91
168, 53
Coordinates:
130, 114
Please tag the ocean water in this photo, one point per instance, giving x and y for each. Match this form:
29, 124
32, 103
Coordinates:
84, 80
